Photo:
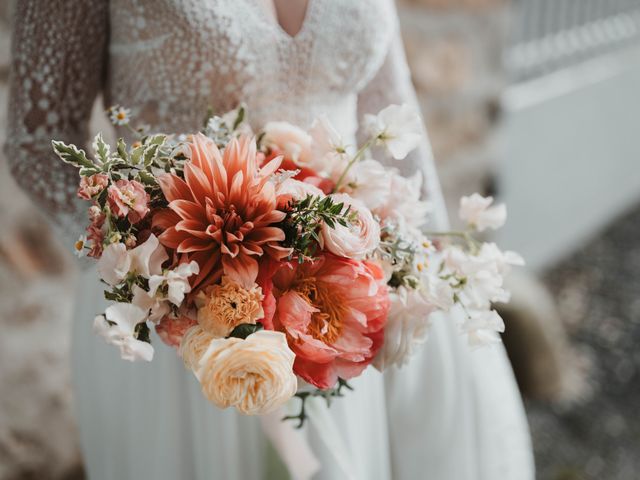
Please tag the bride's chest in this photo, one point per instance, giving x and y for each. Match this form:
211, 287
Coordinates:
238, 42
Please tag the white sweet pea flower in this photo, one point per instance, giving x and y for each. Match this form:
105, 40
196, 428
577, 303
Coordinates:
370, 182
325, 137
176, 281
483, 277
114, 264
407, 326
437, 291
482, 328
147, 258
117, 327
156, 307
329, 154
477, 211
404, 206
397, 127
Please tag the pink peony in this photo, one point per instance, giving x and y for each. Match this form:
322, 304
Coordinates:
92, 186
333, 311
357, 240
171, 329
128, 198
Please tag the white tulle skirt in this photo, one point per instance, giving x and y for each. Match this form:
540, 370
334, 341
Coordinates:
451, 414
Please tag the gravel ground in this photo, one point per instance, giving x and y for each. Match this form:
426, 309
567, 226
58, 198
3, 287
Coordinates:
597, 290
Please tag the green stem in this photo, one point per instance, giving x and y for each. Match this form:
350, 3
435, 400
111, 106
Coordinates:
134, 131
356, 158
473, 243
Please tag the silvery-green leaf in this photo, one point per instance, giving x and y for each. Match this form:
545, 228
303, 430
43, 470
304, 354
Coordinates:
239, 118
149, 154
155, 139
147, 178
72, 155
88, 171
136, 155
122, 150
101, 148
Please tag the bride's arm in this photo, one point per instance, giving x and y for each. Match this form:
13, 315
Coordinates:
58, 56
392, 85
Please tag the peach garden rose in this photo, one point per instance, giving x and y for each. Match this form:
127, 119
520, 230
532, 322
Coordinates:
254, 375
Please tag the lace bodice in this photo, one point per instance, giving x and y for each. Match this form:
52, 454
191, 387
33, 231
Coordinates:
171, 61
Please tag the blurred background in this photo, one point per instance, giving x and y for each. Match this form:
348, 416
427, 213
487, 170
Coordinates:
533, 101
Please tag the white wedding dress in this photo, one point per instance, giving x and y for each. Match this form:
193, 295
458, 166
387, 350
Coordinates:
451, 414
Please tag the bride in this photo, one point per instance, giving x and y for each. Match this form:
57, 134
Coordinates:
451, 414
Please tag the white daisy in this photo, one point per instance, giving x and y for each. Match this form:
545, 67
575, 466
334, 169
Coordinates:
119, 115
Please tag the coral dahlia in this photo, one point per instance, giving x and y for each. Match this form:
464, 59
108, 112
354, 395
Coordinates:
222, 214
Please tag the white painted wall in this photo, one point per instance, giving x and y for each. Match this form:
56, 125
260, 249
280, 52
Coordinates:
571, 161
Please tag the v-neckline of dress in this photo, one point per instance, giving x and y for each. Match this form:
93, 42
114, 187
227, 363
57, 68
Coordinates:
272, 19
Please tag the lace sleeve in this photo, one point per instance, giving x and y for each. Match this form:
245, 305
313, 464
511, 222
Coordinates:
56, 73
392, 85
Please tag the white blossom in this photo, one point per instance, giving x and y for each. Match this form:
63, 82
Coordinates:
114, 264
329, 154
397, 127
481, 278
117, 326
404, 206
119, 115
117, 262
482, 327
175, 280
157, 307
407, 326
370, 182
147, 258
81, 246
477, 211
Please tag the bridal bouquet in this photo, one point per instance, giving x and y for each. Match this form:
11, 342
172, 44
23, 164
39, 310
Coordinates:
279, 263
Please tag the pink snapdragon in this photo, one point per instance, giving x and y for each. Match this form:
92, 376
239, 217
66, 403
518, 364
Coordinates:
127, 198
92, 185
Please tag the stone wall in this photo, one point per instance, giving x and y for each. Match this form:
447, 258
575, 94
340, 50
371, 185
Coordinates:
454, 49
38, 439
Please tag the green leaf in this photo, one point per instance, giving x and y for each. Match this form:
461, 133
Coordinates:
72, 155
112, 296
147, 179
245, 329
88, 171
101, 148
141, 332
122, 150
136, 155
239, 118
149, 154
155, 139
112, 163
